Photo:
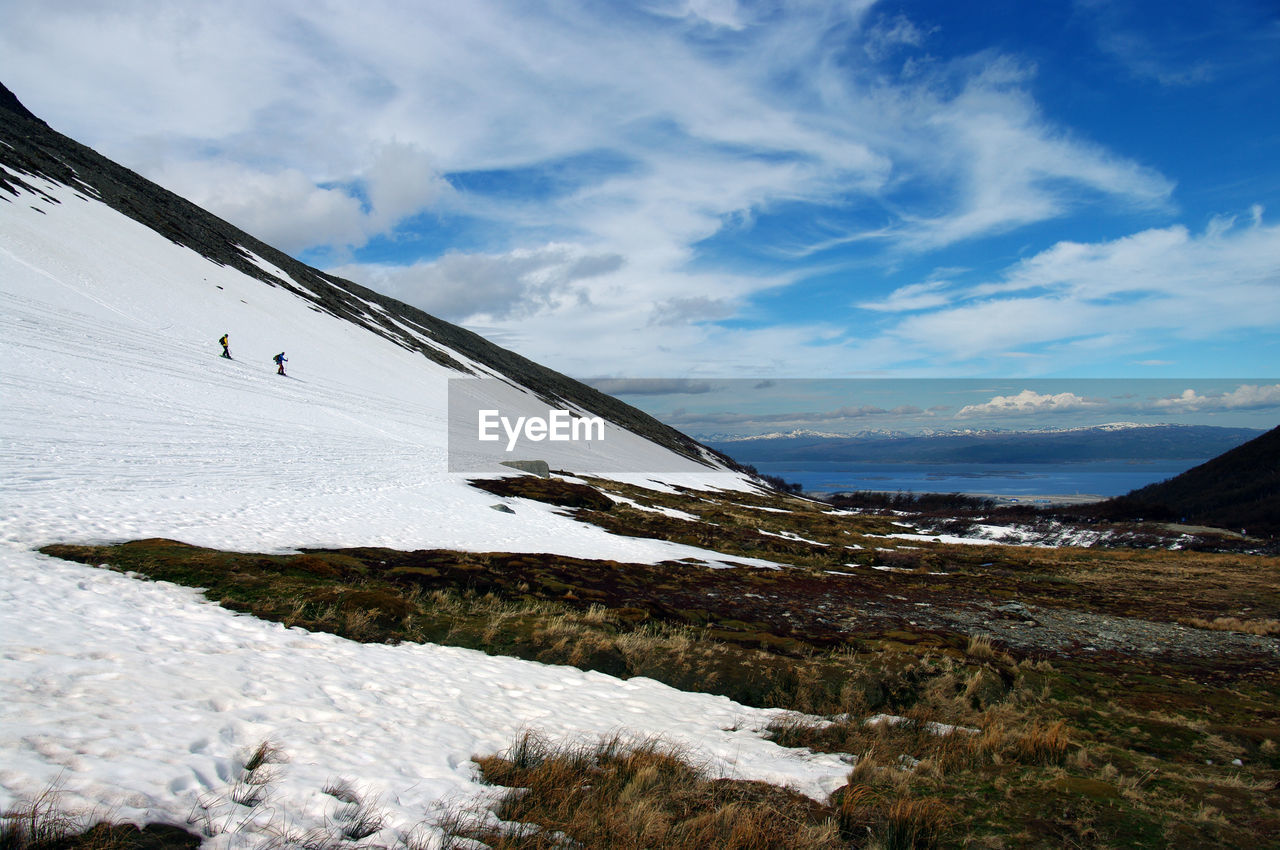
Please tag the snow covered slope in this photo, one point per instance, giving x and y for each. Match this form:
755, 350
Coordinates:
118, 420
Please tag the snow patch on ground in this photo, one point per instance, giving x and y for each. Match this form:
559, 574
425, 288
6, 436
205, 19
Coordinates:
787, 535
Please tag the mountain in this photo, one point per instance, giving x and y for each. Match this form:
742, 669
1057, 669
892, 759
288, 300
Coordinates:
1237, 490
31, 149
1103, 442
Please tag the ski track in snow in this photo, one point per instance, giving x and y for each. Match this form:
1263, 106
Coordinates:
118, 421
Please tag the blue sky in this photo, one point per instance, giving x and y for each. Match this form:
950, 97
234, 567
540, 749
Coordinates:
724, 189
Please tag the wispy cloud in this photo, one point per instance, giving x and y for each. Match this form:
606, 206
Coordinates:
1118, 295
651, 386
916, 296
839, 418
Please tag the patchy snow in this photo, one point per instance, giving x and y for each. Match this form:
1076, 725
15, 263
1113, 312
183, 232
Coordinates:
674, 513
787, 535
887, 569
944, 538
884, 719
120, 421
931, 725
1051, 535
762, 508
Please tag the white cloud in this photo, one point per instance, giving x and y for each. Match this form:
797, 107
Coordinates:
1099, 300
1010, 167
1028, 402
720, 13
887, 35
698, 308
1186, 49
401, 180
1244, 397
651, 386
287, 209
490, 287
916, 296
283, 208
844, 416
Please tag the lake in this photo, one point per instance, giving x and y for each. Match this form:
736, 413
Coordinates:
1099, 478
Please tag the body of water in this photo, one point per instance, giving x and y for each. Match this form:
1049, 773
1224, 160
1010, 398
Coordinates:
1099, 478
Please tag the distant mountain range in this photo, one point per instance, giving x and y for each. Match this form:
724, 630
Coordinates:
1114, 441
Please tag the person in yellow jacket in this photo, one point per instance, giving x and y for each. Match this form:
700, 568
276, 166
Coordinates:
226, 352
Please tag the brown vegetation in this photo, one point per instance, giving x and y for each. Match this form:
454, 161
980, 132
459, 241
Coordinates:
1055, 746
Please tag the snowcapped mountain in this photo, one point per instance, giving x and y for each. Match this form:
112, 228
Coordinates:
798, 433
119, 420
883, 434
1119, 441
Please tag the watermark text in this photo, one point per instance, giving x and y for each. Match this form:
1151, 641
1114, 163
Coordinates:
557, 426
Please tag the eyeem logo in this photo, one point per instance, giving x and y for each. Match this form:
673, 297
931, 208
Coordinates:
492, 422
560, 426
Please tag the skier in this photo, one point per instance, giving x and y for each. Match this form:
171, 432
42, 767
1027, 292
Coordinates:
226, 352
280, 361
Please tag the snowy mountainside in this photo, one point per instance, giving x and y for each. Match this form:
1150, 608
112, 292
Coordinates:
119, 420
29, 148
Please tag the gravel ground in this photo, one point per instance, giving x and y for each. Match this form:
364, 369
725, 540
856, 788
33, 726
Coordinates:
1032, 628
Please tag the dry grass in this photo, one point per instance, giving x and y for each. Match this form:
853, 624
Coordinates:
39, 823
1235, 624
45, 823
868, 816
980, 648
1089, 750
620, 794
1043, 743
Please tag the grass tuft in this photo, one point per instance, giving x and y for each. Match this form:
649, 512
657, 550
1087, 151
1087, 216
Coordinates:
620, 793
39, 823
980, 647
1262, 627
1044, 743
44, 823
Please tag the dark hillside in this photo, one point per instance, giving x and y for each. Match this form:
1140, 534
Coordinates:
1236, 490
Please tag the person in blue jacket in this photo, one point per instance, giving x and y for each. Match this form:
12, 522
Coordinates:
280, 361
